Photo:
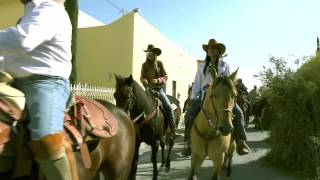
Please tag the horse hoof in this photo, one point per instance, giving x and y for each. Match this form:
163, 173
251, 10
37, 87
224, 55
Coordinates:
167, 169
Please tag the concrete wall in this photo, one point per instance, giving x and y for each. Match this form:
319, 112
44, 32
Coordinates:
10, 12
105, 50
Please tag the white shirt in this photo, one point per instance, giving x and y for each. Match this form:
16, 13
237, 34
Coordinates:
201, 80
40, 43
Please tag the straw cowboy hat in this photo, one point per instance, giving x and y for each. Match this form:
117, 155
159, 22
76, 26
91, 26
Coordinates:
153, 49
214, 44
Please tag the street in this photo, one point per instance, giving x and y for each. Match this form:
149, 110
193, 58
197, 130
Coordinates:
248, 167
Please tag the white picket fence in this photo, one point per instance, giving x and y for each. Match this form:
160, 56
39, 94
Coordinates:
93, 92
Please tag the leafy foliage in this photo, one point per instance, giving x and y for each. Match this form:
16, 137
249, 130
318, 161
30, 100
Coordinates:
295, 130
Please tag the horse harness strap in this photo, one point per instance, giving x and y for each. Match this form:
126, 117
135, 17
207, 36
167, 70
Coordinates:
206, 137
150, 116
138, 117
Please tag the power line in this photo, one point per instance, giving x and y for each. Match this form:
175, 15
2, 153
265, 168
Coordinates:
121, 10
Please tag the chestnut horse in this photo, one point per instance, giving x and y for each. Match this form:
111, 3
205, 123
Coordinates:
112, 156
211, 130
151, 126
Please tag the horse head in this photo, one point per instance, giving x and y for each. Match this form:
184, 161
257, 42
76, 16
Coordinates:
220, 99
123, 94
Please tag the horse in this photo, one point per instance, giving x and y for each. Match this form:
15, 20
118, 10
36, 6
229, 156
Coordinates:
109, 155
176, 109
151, 126
212, 127
258, 110
243, 101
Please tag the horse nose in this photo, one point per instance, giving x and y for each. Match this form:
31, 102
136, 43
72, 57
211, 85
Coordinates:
226, 129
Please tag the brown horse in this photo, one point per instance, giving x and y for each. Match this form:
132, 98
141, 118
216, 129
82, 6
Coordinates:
111, 156
258, 110
151, 126
211, 130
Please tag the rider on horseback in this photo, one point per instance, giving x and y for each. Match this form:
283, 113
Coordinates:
203, 78
254, 94
154, 75
38, 55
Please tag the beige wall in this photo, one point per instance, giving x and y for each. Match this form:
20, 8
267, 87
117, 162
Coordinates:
103, 51
10, 12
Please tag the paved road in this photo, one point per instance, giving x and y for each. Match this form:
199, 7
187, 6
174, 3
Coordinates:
248, 167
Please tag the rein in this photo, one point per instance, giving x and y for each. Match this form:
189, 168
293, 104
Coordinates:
211, 122
146, 117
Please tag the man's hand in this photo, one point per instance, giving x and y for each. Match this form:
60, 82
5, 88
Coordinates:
154, 81
144, 81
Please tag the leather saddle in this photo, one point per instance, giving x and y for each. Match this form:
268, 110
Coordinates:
86, 120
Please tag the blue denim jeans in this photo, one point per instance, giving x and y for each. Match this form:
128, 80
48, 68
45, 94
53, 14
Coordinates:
238, 123
46, 99
167, 105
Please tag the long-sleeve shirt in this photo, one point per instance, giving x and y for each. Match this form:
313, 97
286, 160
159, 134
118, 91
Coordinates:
201, 80
40, 43
149, 71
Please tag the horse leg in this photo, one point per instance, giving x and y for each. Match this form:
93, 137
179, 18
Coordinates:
162, 145
171, 143
218, 163
232, 148
134, 163
196, 162
154, 149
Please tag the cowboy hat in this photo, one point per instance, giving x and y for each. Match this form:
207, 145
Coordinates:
214, 44
153, 49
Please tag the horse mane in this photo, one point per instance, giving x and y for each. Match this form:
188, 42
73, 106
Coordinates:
226, 81
144, 100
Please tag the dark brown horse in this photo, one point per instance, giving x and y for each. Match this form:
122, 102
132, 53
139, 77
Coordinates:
258, 109
111, 156
151, 126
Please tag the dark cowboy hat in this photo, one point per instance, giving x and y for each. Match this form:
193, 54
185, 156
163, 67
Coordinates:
153, 49
214, 44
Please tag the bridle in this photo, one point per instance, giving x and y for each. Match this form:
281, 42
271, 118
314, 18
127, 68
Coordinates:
131, 101
210, 118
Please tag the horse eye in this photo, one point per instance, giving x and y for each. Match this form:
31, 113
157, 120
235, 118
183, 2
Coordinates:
214, 95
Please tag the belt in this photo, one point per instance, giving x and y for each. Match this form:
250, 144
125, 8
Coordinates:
38, 77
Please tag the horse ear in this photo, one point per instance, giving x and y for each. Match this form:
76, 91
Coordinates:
116, 76
233, 76
129, 80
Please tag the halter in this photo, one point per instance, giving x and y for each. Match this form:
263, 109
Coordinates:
212, 124
132, 97
146, 117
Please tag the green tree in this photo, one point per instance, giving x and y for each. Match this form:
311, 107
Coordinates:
72, 9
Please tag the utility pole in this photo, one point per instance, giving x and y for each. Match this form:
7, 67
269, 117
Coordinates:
73, 9
318, 47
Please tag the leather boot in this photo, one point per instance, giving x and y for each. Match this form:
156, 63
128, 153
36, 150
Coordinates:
72, 160
51, 155
242, 148
172, 123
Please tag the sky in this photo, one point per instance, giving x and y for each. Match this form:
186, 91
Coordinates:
252, 30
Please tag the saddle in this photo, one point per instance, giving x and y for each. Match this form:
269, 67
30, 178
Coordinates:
86, 120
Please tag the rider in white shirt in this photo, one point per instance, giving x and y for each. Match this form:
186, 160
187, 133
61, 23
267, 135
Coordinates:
202, 80
37, 53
